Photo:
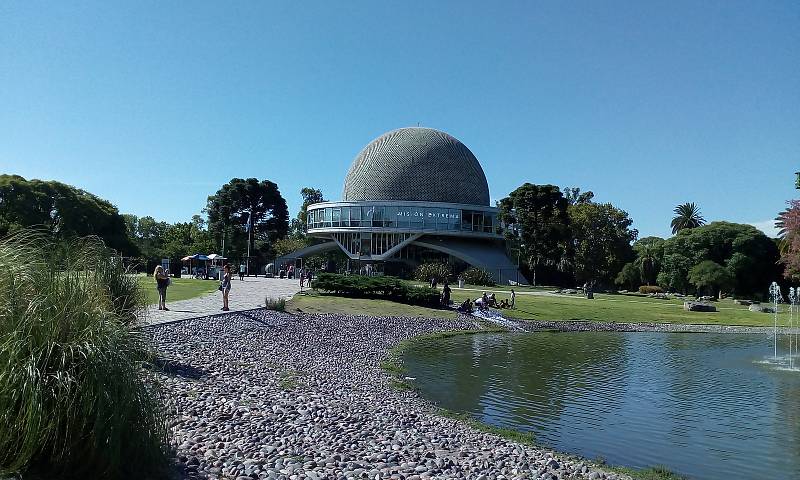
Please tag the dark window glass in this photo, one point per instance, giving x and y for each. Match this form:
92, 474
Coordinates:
377, 216
390, 219
466, 220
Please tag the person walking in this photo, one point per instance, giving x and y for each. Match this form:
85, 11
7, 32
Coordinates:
513, 298
162, 282
225, 286
302, 278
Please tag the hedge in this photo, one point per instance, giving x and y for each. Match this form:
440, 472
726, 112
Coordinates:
440, 271
478, 276
650, 289
385, 287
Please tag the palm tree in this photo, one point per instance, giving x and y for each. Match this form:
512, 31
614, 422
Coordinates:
686, 216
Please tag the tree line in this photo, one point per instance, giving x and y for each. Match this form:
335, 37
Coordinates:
559, 236
242, 213
562, 237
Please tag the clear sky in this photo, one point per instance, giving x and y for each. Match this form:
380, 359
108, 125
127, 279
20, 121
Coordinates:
154, 105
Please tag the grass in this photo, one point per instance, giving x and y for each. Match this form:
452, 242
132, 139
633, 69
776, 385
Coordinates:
180, 289
657, 472
74, 401
289, 379
311, 302
605, 307
631, 309
277, 304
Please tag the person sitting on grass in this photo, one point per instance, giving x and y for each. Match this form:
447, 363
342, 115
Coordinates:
465, 307
493, 300
503, 303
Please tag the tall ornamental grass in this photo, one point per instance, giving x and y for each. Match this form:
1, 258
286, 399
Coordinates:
74, 401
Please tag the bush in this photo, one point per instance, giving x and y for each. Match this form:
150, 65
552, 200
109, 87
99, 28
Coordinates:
478, 276
439, 271
277, 304
389, 288
648, 289
73, 397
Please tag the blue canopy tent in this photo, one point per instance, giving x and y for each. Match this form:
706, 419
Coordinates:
200, 258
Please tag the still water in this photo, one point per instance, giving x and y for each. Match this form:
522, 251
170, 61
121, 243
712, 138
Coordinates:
704, 405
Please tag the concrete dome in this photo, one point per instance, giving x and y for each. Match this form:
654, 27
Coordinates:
416, 164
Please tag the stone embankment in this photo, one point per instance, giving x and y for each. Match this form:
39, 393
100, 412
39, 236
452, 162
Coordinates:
592, 326
264, 395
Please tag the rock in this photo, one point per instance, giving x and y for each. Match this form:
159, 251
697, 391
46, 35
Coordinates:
761, 308
699, 307
342, 420
743, 302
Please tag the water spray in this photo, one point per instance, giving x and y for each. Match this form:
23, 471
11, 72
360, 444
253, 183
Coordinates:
776, 297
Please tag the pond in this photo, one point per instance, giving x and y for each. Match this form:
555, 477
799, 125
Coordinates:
705, 405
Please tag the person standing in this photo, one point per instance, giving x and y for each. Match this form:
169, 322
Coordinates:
446, 295
513, 298
225, 286
162, 282
302, 278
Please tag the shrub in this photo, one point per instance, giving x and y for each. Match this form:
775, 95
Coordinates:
73, 398
647, 289
478, 276
389, 288
439, 271
277, 304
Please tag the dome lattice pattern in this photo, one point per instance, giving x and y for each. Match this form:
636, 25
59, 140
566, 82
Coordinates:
416, 164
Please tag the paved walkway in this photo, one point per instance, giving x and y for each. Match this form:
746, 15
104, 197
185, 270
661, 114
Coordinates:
245, 295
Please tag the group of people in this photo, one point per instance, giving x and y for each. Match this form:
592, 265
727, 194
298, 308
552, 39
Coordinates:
306, 277
163, 282
484, 302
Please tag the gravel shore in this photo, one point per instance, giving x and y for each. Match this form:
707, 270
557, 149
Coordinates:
262, 395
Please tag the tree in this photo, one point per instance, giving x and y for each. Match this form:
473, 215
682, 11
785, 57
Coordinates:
149, 236
687, 215
310, 197
62, 210
536, 222
749, 256
711, 276
288, 245
789, 224
649, 256
628, 277
602, 241
243, 204
575, 197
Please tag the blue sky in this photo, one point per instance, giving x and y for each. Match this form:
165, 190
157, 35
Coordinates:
154, 105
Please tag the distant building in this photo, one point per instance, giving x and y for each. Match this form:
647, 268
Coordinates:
413, 195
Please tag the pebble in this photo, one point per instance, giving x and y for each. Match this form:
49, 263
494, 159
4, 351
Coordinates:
267, 395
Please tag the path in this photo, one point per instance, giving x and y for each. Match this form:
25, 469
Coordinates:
245, 295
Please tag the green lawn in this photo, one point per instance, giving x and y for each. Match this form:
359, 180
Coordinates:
316, 303
180, 289
604, 307
626, 308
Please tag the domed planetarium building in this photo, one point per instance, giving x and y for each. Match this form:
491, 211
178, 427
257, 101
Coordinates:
413, 195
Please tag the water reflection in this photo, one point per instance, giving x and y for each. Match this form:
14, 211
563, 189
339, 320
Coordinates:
699, 403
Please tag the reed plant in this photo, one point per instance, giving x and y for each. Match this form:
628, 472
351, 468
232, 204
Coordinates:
75, 401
